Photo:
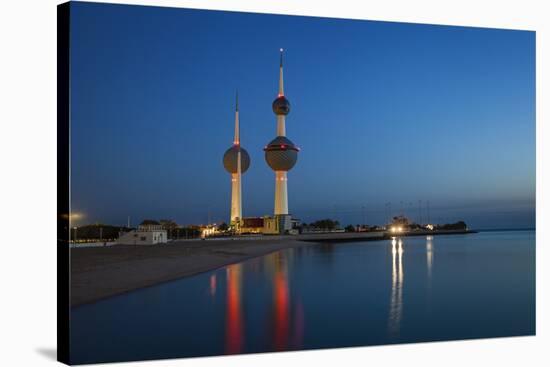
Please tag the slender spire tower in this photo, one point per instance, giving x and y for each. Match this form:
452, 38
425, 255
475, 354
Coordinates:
281, 154
236, 161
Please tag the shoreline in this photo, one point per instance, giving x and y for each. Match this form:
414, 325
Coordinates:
98, 273
377, 236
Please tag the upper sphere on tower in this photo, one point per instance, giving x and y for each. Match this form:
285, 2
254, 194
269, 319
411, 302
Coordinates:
281, 106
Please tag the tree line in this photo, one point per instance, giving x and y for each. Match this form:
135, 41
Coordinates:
105, 232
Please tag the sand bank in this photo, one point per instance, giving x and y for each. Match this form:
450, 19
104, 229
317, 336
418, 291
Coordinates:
102, 272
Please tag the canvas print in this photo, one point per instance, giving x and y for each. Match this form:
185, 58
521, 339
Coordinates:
243, 183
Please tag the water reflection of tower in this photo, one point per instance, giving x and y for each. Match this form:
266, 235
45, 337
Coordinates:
396, 301
288, 327
234, 337
213, 284
281, 304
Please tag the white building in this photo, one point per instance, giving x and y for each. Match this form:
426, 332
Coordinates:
147, 233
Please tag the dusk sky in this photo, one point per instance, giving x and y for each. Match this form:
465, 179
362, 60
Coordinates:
383, 112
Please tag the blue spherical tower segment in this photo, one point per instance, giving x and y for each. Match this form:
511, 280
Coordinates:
281, 106
231, 162
281, 154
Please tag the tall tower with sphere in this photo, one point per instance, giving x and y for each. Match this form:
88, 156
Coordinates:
281, 155
236, 161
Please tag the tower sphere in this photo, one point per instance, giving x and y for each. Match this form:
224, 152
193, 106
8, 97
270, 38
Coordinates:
230, 159
281, 106
281, 154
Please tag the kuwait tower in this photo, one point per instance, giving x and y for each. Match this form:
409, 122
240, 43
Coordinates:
236, 161
281, 155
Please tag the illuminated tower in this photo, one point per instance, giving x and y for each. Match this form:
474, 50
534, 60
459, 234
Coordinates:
281, 155
236, 161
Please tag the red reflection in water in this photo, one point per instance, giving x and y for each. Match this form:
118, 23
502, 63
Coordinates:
281, 310
288, 318
213, 285
234, 337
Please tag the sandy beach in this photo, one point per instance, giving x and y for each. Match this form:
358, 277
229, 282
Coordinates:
98, 273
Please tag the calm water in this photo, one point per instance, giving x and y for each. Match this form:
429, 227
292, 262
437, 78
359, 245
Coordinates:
408, 290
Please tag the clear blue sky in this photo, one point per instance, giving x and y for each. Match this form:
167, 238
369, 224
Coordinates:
383, 112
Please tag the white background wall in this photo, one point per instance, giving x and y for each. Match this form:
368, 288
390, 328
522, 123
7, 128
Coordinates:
28, 186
